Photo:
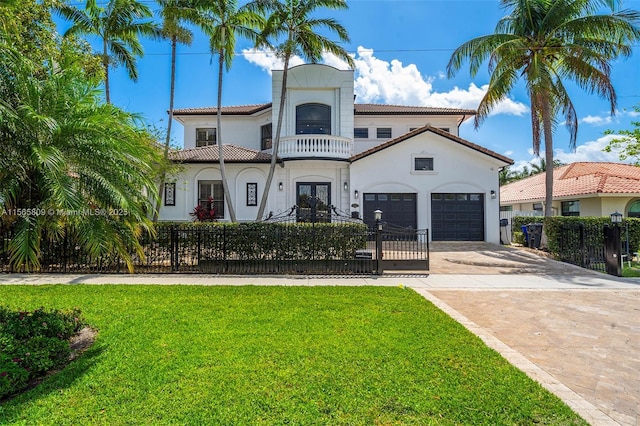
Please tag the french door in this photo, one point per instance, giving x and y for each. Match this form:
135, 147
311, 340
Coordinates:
313, 200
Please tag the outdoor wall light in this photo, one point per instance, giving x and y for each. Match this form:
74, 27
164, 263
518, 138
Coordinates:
493, 194
280, 186
616, 217
356, 194
346, 186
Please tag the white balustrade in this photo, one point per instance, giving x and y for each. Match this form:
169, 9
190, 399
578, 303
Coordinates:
320, 146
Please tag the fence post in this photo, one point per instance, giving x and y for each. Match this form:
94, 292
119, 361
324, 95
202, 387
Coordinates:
378, 217
174, 248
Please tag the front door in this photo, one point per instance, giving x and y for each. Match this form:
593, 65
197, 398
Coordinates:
313, 200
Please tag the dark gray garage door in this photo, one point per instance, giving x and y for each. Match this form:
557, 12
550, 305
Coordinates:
457, 217
397, 209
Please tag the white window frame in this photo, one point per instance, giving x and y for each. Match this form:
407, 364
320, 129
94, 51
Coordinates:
208, 139
414, 157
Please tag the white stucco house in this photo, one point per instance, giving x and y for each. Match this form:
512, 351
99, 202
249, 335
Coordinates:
407, 161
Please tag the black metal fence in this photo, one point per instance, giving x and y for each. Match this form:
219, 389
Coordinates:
583, 245
279, 245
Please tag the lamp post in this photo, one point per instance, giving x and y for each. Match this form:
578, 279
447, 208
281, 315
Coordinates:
612, 246
377, 215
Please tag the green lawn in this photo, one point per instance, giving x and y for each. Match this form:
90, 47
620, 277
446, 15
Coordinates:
274, 355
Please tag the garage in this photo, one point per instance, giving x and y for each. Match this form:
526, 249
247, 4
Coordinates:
457, 217
398, 209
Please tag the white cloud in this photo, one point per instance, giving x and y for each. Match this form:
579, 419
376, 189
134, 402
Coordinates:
380, 81
590, 151
596, 120
268, 61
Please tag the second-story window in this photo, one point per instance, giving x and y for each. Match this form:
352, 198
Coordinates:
383, 133
361, 133
266, 141
206, 136
313, 119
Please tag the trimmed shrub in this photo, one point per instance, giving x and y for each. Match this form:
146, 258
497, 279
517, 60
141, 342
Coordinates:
33, 343
552, 226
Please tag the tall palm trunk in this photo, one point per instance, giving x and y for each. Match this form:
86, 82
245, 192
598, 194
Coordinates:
105, 63
167, 140
276, 141
548, 148
223, 173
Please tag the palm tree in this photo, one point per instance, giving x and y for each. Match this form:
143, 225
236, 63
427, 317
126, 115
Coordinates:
70, 155
292, 29
119, 26
175, 14
224, 21
547, 42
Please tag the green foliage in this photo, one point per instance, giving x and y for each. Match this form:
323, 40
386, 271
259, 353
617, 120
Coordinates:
628, 144
552, 225
253, 355
518, 238
33, 343
70, 162
262, 241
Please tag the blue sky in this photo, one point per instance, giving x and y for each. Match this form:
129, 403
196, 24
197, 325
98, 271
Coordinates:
401, 48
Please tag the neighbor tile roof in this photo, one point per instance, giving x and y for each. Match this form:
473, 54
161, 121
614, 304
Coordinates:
381, 109
574, 180
358, 109
437, 131
232, 154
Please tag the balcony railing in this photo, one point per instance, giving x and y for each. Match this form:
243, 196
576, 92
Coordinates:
320, 146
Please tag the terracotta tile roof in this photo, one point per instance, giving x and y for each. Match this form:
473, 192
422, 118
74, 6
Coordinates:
226, 110
381, 109
232, 154
358, 109
574, 180
437, 131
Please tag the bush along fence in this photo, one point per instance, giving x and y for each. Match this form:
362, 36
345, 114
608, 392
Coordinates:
582, 240
242, 248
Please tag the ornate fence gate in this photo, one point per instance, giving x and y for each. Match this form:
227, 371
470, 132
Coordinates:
403, 249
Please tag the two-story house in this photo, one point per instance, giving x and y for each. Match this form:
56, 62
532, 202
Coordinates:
407, 161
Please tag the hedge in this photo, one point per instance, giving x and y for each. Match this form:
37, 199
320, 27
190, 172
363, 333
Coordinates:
552, 225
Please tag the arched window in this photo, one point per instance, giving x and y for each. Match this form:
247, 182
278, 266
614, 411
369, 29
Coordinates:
634, 209
313, 119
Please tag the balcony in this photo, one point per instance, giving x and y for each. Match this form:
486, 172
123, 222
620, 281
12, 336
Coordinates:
315, 146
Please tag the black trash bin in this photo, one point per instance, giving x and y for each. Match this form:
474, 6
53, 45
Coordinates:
534, 230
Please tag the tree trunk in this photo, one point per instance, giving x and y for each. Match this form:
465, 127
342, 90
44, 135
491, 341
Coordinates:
167, 141
105, 63
276, 140
548, 148
223, 173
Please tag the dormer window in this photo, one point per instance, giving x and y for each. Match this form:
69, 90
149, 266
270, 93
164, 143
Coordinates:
206, 137
313, 119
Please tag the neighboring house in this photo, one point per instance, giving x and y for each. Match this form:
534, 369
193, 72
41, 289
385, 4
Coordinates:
579, 189
407, 161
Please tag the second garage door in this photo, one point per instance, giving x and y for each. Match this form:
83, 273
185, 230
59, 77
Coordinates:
457, 217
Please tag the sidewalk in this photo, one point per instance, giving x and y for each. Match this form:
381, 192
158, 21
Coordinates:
429, 281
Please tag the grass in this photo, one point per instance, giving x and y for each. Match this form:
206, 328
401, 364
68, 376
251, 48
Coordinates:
274, 355
632, 271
